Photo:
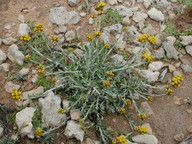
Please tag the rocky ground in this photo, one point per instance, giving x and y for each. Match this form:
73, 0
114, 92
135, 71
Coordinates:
170, 117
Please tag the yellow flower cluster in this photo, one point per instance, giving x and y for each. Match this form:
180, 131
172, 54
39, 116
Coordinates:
100, 12
55, 39
122, 110
176, 80
128, 102
53, 79
25, 37
39, 28
16, 94
120, 140
40, 71
39, 132
27, 57
81, 120
97, 33
148, 58
142, 116
168, 91
81, 43
106, 45
111, 74
106, 84
70, 49
100, 6
149, 98
83, 97
92, 16
61, 111
89, 37
145, 37
125, 28
142, 129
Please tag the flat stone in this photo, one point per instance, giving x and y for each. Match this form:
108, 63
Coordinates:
146, 139
9, 40
150, 30
5, 67
34, 92
145, 108
123, 11
113, 29
23, 29
24, 71
150, 75
9, 86
155, 14
189, 49
171, 52
155, 66
186, 40
139, 16
70, 35
73, 2
75, 114
3, 56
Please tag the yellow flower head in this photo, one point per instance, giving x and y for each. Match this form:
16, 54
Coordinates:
100, 6
39, 132
168, 91
84, 97
16, 94
106, 84
149, 98
142, 129
55, 39
27, 58
61, 111
143, 38
106, 45
128, 102
142, 116
53, 79
120, 140
111, 74
81, 120
81, 43
39, 28
92, 16
118, 48
89, 37
97, 33
100, 12
152, 39
25, 38
125, 28
39, 67
148, 58
122, 110
41, 72
70, 49
176, 80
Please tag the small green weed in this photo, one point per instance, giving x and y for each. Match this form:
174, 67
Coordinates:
186, 2
46, 83
171, 30
111, 17
7, 140
11, 118
36, 118
166, 59
84, 6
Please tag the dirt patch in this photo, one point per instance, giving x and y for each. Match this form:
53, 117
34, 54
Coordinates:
184, 21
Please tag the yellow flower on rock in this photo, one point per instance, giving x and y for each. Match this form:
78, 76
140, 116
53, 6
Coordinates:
111, 74
142, 129
122, 110
89, 37
148, 58
176, 80
120, 140
25, 37
55, 39
39, 132
39, 28
27, 57
81, 120
168, 91
97, 33
142, 116
61, 111
106, 84
16, 94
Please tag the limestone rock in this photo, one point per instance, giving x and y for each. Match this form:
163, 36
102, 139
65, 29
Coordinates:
9, 41
186, 40
23, 29
3, 56
160, 53
123, 11
112, 2
24, 71
116, 28
5, 67
155, 66
146, 139
145, 108
73, 130
73, 2
189, 49
34, 92
49, 107
150, 30
15, 55
147, 3
24, 121
9, 86
170, 50
150, 75
75, 114
70, 35
155, 14
139, 16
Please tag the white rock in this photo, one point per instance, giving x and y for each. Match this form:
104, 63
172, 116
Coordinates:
189, 49
73, 2
123, 11
120, 42
116, 28
15, 55
23, 121
1, 131
26, 102
145, 108
24, 71
118, 59
49, 107
34, 78
83, 14
9, 40
171, 39
147, 3
65, 104
73, 130
146, 139
3, 56
139, 16
133, 33
112, 2
5, 67
70, 35
150, 75
21, 18
150, 30
7, 27
75, 114
155, 66
14, 137
171, 67
186, 40
78, 53
91, 21
160, 53
23, 29
126, 21
60, 16
155, 14
34, 92
0, 41
171, 52
9, 86
61, 29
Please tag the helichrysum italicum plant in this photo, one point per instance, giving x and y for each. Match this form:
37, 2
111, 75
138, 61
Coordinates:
120, 140
39, 28
16, 94
148, 57
168, 90
25, 38
142, 116
39, 132
142, 129
55, 39
176, 80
